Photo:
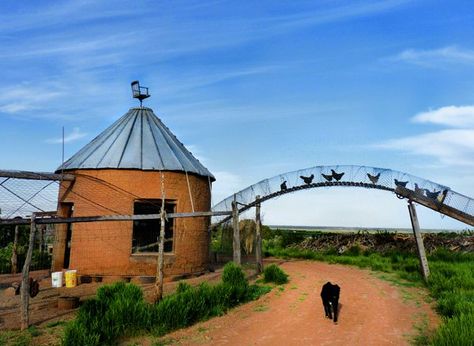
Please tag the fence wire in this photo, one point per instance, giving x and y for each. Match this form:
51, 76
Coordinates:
22, 197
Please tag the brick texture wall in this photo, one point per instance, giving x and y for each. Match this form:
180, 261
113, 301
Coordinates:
104, 248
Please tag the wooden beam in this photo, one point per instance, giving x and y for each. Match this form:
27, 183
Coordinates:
25, 284
425, 270
54, 220
236, 237
258, 236
435, 205
36, 175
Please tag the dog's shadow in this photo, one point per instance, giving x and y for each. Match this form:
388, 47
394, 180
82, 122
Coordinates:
339, 308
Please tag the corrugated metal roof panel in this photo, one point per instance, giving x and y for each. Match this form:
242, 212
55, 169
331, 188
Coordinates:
138, 140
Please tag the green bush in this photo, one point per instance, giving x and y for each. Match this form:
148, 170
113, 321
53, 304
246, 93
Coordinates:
120, 309
274, 273
182, 287
234, 275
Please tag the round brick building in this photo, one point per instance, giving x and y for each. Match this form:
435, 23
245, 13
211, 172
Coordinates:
123, 171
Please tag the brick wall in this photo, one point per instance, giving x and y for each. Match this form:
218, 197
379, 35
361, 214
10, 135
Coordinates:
104, 248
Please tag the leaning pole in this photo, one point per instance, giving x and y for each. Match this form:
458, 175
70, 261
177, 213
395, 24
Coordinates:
425, 270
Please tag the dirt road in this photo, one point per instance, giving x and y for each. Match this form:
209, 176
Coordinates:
373, 312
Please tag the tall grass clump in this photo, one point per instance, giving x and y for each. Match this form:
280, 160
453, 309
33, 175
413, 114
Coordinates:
458, 330
451, 283
274, 273
120, 310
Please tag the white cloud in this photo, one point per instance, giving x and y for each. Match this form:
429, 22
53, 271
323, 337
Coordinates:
435, 57
453, 116
75, 135
25, 97
449, 147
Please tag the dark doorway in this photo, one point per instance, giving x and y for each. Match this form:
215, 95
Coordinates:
68, 211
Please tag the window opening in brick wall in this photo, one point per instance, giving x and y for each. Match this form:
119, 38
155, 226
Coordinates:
146, 232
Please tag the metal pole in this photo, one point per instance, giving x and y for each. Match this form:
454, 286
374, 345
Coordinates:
258, 236
25, 285
425, 270
235, 226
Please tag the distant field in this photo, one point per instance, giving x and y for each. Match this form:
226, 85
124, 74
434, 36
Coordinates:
357, 229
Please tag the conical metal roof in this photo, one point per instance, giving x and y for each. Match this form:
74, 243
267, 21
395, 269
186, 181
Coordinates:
138, 140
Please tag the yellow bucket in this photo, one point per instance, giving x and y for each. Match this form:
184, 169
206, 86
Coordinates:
71, 278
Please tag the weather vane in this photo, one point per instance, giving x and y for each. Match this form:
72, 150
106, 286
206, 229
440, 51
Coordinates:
139, 92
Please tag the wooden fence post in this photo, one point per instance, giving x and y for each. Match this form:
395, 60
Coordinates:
210, 252
425, 270
161, 244
258, 236
14, 259
25, 284
235, 226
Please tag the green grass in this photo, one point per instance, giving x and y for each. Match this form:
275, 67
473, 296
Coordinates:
260, 308
119, 310
275, 274
17, 338
55, 324
451, 283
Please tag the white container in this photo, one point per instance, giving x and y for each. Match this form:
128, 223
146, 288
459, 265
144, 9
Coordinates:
57, 279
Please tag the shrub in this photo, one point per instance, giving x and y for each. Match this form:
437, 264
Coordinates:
120, 309
233, 275
182, 287
274, 273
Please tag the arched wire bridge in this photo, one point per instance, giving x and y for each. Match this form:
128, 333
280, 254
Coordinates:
422, 191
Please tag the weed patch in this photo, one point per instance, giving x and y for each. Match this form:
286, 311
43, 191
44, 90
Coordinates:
274, 273
120, 310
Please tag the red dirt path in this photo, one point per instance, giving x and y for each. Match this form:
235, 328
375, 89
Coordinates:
373, 312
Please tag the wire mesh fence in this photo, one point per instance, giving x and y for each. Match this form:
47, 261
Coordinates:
344, 175
21, 197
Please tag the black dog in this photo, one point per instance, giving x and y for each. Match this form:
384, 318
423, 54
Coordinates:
330, 297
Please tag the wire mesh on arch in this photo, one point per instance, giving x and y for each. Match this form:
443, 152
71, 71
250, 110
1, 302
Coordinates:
344, 175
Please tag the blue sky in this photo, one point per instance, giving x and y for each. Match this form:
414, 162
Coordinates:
253, 90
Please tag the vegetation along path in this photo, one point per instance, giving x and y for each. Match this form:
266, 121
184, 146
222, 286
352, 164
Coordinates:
373, 312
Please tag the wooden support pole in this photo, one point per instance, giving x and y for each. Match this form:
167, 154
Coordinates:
210, 252
235, 226
25, 284
258, 236
161, 245
14, 259
425, 270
